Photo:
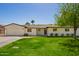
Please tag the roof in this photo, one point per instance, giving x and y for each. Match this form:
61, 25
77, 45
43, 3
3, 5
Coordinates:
35, 26
1, 26
47, 26
59, 27
40, 26
14, 24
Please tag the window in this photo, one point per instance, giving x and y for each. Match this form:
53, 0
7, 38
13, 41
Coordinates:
55, 29
66, 29
39, 29
29, 30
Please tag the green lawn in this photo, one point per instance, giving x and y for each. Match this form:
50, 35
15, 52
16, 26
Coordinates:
42, 46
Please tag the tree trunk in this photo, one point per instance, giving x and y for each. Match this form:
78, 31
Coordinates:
75, 23
75, 29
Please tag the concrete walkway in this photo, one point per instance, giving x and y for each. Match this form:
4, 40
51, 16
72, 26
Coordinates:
7, 40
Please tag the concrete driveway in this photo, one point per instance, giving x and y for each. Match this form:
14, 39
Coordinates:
6, 40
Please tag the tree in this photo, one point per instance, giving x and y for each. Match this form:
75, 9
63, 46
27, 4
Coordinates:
27, 23
69, 16
32, 21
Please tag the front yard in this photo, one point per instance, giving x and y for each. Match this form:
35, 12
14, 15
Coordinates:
42, 46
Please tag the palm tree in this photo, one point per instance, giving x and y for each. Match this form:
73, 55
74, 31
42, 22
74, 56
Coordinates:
32, 21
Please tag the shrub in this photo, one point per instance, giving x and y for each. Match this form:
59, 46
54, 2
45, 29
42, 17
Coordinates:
51, 34
67, 34
62, 34
72, 35
56, 34
25, 34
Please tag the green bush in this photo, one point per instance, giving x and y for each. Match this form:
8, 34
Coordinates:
25, 34
67, 34
56, 34
51, 34
62, 34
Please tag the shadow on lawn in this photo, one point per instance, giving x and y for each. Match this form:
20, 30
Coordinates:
72, 45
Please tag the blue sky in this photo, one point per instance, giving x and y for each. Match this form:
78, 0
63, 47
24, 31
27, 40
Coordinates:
42, 13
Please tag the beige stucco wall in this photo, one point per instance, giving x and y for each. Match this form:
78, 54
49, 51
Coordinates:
77, 33
59, 31
14, 30
41, 32
33, 32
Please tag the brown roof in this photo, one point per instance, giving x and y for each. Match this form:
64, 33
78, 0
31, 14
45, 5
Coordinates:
60, 27
39, 26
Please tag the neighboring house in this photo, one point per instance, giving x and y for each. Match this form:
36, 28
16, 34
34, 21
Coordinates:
39, 30
2, 30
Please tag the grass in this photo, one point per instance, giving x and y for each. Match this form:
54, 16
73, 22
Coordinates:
42, 46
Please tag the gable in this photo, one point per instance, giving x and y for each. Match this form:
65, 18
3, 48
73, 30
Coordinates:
14, 25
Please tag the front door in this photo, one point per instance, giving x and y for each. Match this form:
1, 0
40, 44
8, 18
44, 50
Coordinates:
40, 31
45, 31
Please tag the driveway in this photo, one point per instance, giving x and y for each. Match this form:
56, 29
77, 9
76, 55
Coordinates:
6, 40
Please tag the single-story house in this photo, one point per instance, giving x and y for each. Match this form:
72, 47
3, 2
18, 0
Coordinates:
45, 30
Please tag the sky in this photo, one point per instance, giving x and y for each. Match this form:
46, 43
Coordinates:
20, 13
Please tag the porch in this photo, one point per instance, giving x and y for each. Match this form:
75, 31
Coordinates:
41, 31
